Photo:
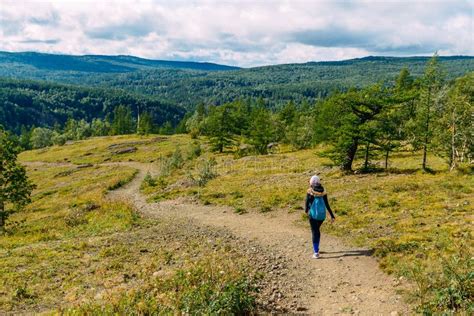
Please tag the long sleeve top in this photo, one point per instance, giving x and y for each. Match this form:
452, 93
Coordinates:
317, 191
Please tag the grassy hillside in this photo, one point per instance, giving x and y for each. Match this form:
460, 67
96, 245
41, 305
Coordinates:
418, 224
74, 251
101, 149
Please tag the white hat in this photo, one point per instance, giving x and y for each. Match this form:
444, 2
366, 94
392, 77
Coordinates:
314, 181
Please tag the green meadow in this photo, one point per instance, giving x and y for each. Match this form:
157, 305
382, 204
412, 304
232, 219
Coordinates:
418, 224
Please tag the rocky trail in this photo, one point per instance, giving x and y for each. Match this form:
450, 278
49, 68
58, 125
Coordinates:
345, 280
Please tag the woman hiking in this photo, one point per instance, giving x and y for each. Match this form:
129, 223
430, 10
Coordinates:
316, 205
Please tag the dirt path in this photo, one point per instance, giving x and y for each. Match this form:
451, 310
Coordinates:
345, 280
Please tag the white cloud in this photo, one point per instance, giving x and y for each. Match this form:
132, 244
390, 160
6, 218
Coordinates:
244, 33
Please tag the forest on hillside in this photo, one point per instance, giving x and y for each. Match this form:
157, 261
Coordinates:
40, 104
277, 84
428, 113
188, 84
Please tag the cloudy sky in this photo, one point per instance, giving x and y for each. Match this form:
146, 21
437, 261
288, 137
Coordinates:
243, 33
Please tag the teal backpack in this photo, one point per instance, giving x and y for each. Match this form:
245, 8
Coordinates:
318, 209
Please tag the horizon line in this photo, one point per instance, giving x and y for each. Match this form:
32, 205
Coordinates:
228, 65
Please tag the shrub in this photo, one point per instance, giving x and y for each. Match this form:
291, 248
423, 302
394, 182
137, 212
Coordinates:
447, 286
78, 214
205, 172
389, 203
22, 293
194, 151
58, 139
240, 210
149, 180
173, 162
176, 159
209, 286
237, 194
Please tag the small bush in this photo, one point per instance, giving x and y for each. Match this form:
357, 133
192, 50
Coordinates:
446, 286
217, 195
194, 151
78, 214
342, 212
466, 168
171, 163
205, 172
22, 293
149, 180
405, 187
237, 194
386, 246
240, 210
176, 159
389, 203
75, 218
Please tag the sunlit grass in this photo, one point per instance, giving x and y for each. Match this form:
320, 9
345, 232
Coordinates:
42, 248
72, 250
403, 213
96, 150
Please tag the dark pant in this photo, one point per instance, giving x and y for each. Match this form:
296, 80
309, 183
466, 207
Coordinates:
316, 234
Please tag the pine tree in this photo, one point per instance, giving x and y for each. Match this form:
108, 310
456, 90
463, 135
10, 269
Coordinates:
241, 110
346, 120
15, 188
123, 122
220, 126
391, 123
300, 134
25, 138
454, 135
288, 113
431, 85
181, 127
262, 129
145, 124
167, 128
404, 80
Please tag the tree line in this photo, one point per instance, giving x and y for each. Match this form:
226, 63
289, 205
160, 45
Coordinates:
41, 104
427, 113
120, 122
276, 84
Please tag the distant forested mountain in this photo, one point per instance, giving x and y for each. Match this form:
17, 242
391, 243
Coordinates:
40, 64
188, 84
276, 84
34, 103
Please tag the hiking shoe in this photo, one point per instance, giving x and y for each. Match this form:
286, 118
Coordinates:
316, 255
